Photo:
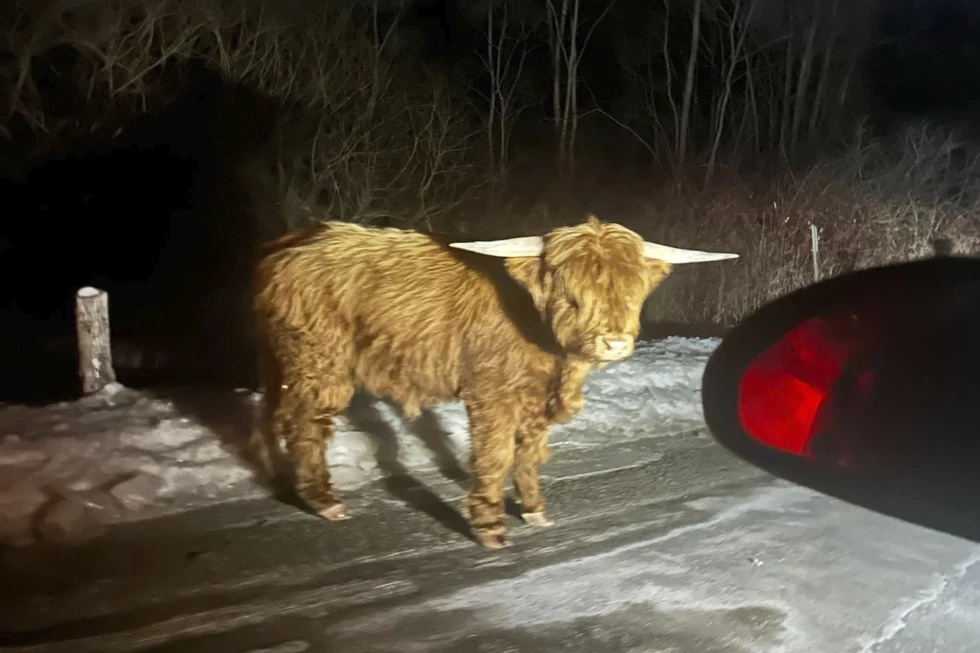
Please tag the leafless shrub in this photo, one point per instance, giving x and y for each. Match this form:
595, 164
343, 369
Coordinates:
356, 134
882, 202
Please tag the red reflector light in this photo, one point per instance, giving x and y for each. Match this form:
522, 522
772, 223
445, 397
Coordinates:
778, 409
781, 393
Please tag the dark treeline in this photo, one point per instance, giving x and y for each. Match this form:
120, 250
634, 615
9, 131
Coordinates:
150, 146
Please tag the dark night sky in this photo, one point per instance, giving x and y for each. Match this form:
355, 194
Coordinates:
926, 55
931, 56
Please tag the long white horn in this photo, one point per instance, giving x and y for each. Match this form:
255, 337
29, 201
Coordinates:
675, 255
508, 248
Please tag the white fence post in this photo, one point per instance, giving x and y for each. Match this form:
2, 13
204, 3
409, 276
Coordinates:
814, 248
94, 343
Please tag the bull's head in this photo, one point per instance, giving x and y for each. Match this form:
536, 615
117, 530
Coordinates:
590, 281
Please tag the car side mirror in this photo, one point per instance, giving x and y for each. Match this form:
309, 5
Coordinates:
865, 387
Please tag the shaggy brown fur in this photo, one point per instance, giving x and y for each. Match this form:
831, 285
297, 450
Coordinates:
403, 316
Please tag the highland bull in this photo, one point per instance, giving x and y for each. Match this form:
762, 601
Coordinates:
510, 327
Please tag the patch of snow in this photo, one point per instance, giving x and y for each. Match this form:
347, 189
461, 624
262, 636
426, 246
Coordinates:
119, 454
136, 491
67, 521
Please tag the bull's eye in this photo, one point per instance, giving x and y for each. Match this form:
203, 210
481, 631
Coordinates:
573, 304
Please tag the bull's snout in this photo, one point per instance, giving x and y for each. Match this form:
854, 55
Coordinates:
614, 346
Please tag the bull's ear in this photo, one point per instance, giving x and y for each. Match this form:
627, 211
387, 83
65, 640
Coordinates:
656, 271
527, 271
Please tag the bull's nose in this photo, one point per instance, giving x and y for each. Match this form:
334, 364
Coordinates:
615, 345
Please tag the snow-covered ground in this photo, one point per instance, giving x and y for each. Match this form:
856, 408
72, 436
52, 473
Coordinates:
68, 469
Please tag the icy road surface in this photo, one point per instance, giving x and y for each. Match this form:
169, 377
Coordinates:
131, 526
663, 544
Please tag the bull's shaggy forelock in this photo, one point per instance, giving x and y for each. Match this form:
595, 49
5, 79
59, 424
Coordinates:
403, 316
599, 281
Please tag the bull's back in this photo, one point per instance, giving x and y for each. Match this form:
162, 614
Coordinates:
357, 271
405, 307
409, 303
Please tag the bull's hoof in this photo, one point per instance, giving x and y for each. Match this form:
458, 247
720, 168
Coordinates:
335, 512
492, 540
537, 519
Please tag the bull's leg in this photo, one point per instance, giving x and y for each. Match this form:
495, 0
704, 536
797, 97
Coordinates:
309, 401
308, 449
492, 458
264, 449
530, 452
